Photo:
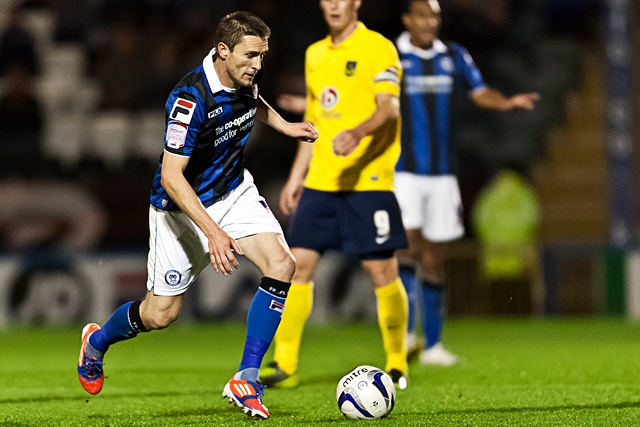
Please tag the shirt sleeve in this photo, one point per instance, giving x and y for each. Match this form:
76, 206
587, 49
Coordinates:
185, 114
465, 66
387, 69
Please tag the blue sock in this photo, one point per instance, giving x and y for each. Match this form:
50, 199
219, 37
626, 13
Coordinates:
408, 277
123, 324
432, 312
263, 319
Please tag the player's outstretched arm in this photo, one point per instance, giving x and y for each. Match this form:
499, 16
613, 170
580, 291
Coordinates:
492, 99
303, 130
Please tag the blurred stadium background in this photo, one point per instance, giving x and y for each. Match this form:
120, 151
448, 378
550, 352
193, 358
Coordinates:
82, 89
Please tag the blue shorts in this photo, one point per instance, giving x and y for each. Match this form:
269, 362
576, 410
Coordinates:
367, 223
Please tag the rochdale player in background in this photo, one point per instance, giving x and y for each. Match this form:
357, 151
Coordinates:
426, 187
205, 208
341, 188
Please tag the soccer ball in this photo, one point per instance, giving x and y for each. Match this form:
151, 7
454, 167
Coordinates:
366, 392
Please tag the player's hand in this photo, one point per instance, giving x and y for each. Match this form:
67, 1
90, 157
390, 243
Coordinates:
345, 142
525, 101
221, 252
292, 103
303, 130
290, 196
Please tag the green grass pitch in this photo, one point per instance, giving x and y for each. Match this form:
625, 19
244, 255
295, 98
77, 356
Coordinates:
515, 372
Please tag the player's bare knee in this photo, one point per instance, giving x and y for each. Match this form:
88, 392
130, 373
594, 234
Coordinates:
382, 272
286, 265
280, 266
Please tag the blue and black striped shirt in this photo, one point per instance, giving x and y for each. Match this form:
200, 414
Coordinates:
210, 124
428, 82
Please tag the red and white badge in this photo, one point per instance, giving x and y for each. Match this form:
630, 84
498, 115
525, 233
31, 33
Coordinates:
176, 135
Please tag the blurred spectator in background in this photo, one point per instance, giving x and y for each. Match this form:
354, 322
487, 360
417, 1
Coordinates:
121, 70
165, 68
506, 216
21, 125
17, 44
74, 19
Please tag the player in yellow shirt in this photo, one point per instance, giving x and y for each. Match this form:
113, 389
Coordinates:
341, 187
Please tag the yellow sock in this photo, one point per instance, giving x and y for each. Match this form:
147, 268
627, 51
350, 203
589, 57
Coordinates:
393, 315
289, 334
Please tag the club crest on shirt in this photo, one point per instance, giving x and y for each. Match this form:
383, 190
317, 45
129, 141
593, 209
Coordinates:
446, 64
172, 277
350, 68
407, 64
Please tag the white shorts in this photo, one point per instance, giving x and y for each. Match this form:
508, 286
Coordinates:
432, 204
179, 250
